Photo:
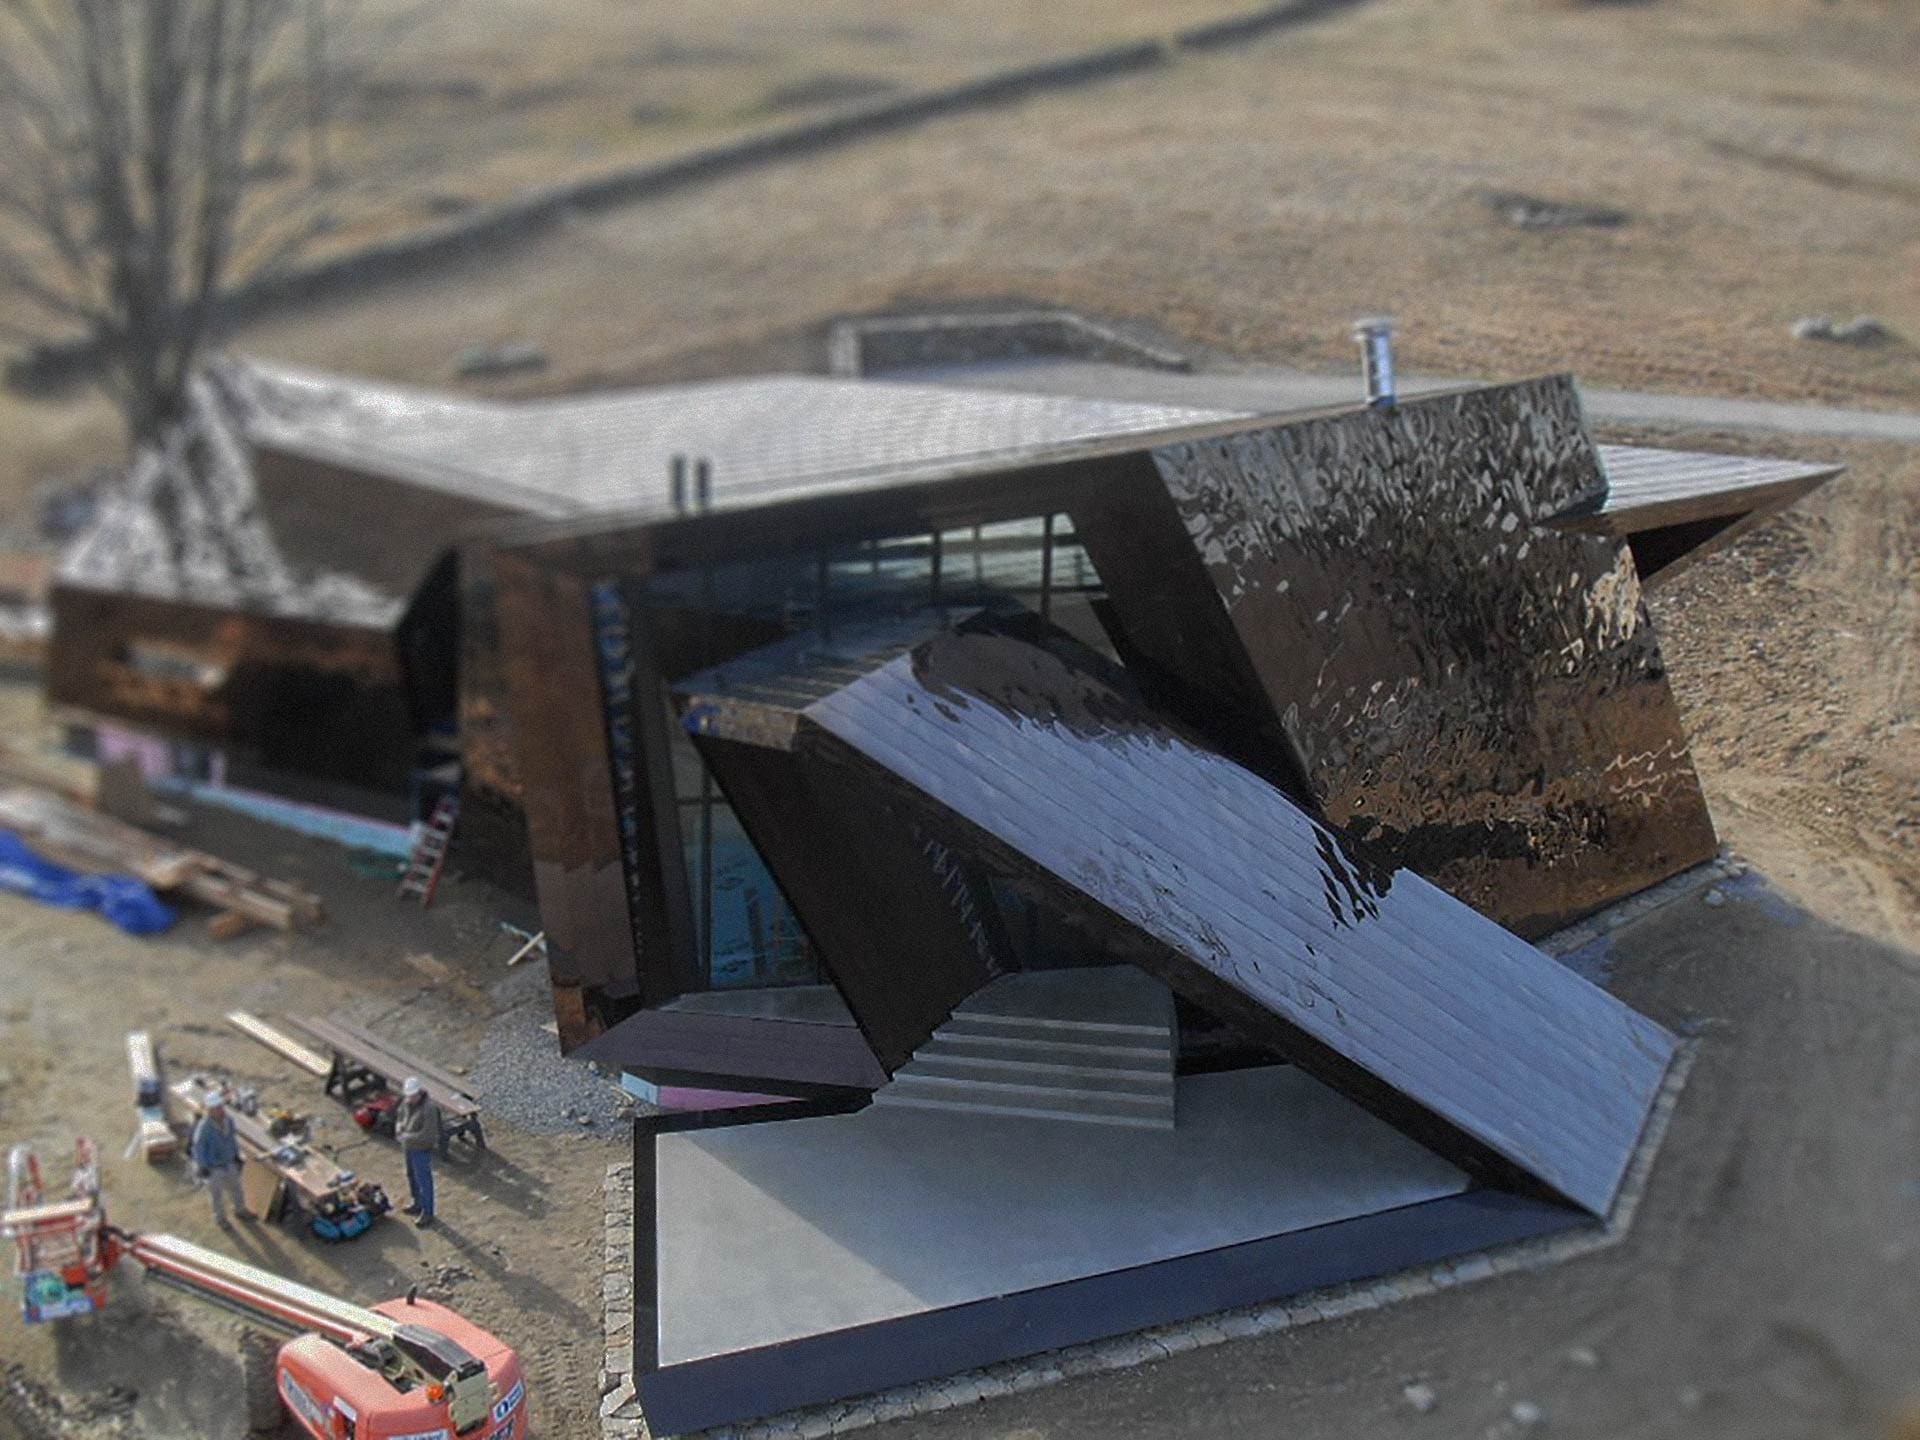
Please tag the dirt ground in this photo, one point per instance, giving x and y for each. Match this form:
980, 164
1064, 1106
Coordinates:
1792, 655
1766, 156
518, 1249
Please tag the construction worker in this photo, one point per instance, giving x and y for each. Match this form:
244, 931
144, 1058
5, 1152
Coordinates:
416, 1125
216, 1157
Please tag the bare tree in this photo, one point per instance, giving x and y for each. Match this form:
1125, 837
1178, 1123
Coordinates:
148, 162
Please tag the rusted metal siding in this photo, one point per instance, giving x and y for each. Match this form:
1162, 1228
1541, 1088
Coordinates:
560, 752
323, 699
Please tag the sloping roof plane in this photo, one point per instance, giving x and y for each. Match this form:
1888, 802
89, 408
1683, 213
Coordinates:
1375, 980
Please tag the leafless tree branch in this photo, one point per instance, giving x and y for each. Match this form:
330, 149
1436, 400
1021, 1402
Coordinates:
145, 170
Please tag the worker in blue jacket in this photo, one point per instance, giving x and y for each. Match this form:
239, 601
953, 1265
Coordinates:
216, 1157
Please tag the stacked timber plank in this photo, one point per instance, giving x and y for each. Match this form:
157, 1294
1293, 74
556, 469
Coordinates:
81, 837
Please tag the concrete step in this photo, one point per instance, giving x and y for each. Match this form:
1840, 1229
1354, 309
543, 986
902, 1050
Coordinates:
988, 1094
1102, 1032
1040, 1074
1141, 1056
1025, 1112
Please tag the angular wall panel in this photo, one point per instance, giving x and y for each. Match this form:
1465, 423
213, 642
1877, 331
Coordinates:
1474, 692
1370, 978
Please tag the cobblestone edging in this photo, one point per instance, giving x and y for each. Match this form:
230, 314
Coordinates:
46, 366
620, 1411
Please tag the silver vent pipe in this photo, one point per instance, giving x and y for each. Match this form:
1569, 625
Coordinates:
677, 483
1375, 334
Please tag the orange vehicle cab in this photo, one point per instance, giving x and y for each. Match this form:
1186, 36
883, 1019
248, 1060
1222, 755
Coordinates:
435, 1376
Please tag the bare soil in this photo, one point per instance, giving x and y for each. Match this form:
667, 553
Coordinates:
1793, 656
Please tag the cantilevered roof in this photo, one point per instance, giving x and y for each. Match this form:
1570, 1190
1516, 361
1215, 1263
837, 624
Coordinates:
1648, 487
1375, 981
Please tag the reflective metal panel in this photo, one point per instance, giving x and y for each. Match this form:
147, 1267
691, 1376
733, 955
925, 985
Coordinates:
1478, 695
1370, 977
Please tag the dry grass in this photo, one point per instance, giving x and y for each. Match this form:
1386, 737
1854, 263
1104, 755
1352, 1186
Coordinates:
1792, 656
1767, 155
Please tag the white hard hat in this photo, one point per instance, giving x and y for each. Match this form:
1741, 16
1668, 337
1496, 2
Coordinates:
411, 1086
216, 1099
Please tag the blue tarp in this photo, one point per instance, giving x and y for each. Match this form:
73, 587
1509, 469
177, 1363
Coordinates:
124, 900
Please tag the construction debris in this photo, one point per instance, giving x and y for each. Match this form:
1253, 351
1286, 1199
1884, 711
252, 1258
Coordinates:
531, 944
153, 1137
81, 837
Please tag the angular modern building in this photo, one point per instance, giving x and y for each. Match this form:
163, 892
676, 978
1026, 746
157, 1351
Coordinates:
1105, 869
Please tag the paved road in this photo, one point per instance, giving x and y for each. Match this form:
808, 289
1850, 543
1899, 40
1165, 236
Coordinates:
1276, 388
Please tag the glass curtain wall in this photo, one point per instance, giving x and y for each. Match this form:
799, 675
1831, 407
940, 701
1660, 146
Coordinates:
746, 935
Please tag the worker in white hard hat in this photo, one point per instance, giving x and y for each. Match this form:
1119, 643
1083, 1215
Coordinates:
416, 1125
215, 1149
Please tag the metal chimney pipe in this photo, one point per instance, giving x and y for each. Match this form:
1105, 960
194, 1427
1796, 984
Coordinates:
677, 483
1375, 334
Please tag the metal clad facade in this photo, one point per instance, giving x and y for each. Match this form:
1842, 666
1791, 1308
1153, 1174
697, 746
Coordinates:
1383, 970
1480, 695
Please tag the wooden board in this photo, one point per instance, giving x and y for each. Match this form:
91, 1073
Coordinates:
48, 1214
68, 832
390, 1062
280, 1043
228, 924
260, 1187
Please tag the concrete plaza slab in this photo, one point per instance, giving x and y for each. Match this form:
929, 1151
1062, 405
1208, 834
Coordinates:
770, 1233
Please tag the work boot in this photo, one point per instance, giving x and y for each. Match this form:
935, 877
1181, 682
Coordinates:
423, 1222
413, 1209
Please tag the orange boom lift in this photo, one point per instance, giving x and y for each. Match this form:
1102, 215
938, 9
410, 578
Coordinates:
403, 1368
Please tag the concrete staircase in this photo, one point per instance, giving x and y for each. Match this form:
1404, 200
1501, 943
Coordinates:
1095, 1046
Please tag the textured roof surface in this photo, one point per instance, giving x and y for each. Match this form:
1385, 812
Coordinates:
187, 525
607, 453
1648, 486
1385, 970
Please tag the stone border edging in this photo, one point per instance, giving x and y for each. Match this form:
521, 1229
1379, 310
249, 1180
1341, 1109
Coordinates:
46, 367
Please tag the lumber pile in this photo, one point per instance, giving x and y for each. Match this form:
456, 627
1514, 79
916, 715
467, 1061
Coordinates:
82, 838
